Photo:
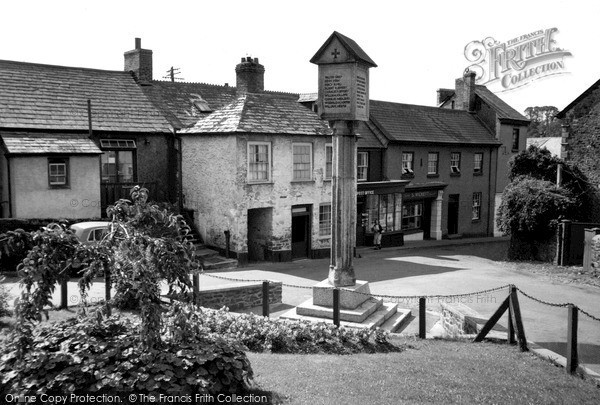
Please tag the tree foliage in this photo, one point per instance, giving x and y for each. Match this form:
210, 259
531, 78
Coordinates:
145, 245
543, 122
540, 164
532, 207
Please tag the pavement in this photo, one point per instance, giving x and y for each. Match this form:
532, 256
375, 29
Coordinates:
426, 268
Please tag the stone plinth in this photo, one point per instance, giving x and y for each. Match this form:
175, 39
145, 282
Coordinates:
351, 297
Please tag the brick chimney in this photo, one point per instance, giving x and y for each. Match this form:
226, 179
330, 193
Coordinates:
250, 76
444, 94
139, 61
465, 91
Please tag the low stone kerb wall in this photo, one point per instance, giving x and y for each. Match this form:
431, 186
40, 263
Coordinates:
239, 296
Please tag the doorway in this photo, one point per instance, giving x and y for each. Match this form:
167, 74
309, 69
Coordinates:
301, 215
453, 205
260, 231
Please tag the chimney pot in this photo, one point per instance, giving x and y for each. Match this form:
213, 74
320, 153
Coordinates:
139, 61
250, 76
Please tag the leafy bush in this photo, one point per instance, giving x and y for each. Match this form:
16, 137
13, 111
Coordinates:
540, 164
261, 334
532, 207
107, 356
529, 213
4, 311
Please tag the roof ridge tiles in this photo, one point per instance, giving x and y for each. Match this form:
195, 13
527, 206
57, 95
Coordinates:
49, 65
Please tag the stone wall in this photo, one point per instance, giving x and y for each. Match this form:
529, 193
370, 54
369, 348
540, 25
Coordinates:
459, 319
237, 297
595, 247
215, 186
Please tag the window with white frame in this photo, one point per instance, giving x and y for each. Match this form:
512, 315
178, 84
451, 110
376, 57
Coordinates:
58, 172
259, 162
362, 166
302, 161
478, 163
476, 206
407, 162
455, 162
412, 215
328, 161
324, 219
432, 162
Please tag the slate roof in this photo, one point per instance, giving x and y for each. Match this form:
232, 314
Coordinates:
265, 113
34, 143
416, 123
175, 99
573, 103
367, 137
503, 110
351, 46
36, 96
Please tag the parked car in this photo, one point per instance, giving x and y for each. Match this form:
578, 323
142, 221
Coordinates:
90, 232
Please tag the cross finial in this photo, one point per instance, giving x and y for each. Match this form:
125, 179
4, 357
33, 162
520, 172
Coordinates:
335, 53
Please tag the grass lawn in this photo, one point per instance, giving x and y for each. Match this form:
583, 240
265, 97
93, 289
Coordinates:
437, 372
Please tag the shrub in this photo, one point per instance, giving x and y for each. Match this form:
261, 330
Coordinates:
4, 311
261, 334
540, 164
529, 213
532, 207
107, 356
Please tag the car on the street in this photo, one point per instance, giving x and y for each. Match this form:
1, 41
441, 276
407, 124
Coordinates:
90, 232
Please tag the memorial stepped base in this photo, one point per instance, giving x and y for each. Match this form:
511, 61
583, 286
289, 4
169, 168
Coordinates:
357, 308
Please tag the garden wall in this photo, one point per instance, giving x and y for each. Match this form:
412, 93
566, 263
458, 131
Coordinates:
595, 253
242, 296
459, 319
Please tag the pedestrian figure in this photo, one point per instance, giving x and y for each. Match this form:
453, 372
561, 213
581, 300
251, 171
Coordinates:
377, 231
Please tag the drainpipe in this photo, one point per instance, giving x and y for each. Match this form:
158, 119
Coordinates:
10, 211
491, 193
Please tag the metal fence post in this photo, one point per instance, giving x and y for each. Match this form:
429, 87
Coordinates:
265, 298
572, 355
422, 319
336, 307
107, 292
64, 302
196, 288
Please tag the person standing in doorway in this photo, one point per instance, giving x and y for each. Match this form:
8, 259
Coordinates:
377, 231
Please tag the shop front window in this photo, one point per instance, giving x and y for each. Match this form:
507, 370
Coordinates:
387, 208
412, 215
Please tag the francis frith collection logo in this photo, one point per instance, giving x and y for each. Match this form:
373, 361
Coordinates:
516, 62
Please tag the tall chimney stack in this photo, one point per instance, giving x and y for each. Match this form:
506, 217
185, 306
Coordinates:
139, 61
250, 76
465, 91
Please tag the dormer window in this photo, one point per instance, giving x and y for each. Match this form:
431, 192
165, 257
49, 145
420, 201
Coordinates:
200, 104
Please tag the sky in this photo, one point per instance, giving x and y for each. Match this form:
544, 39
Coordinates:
419, 47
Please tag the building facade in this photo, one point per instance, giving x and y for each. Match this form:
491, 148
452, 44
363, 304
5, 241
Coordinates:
252, 167
97, 131
508, 125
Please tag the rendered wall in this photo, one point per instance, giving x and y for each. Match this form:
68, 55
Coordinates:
215, 186
33, 198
